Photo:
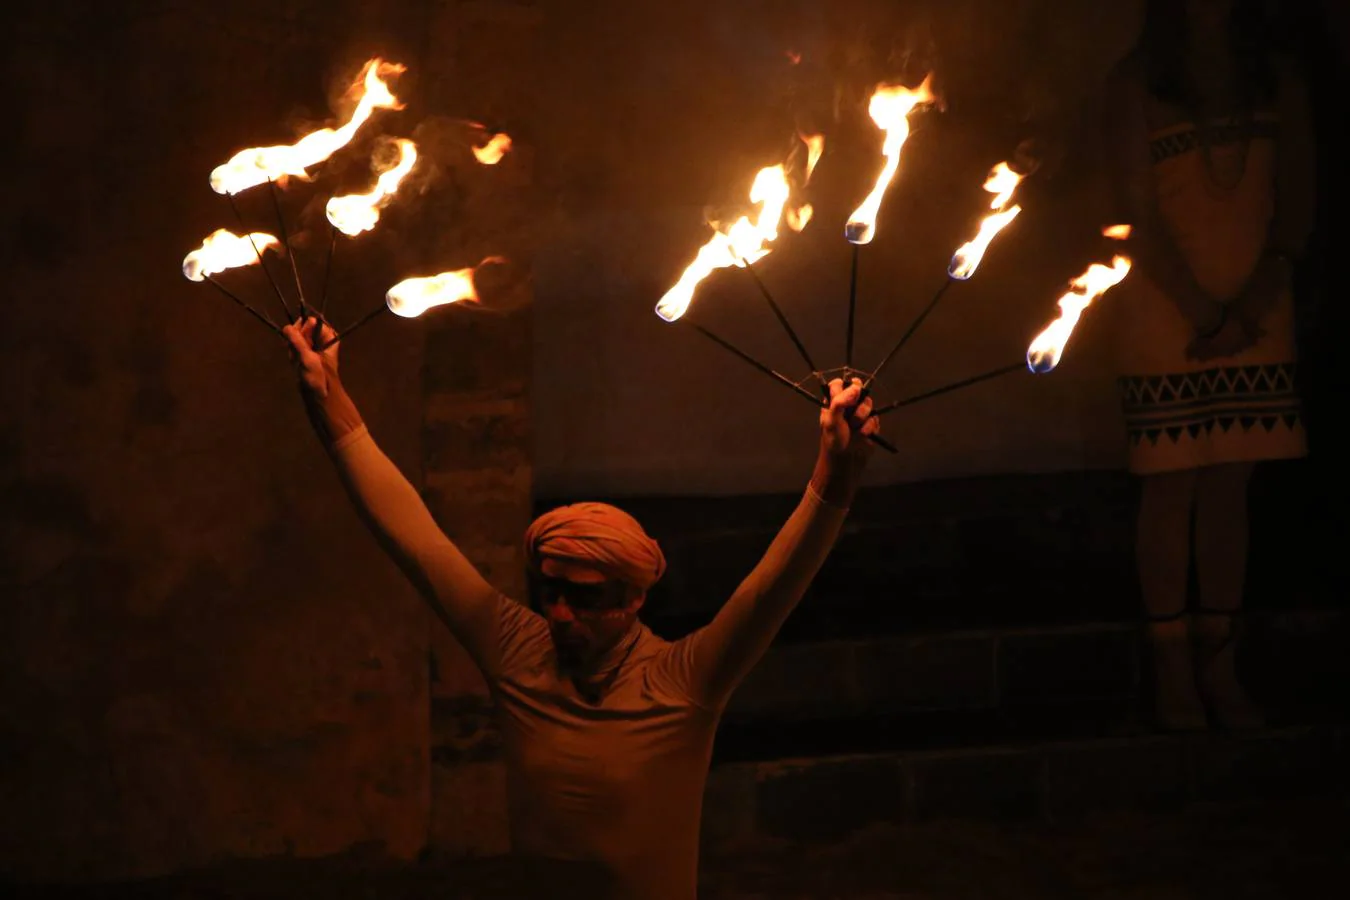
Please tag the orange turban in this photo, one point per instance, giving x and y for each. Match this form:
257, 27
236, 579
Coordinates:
598, 535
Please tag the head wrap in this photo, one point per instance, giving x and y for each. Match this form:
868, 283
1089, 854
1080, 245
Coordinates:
598, 535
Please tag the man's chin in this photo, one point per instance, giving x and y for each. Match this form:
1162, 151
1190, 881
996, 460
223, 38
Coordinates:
570, 649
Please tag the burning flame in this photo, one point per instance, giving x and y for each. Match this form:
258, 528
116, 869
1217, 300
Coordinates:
1002, 181
492, 152
890, 108
413, 296
1117, 232
223, 250
815, 146
258, 164
800, 217
354, 213
1044, 352
744, 242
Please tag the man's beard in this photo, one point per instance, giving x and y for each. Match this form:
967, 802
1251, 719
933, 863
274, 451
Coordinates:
573, 653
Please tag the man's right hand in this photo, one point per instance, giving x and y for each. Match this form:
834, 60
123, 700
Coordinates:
330, 410
318, 371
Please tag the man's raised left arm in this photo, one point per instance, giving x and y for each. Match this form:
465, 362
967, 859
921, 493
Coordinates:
711, 662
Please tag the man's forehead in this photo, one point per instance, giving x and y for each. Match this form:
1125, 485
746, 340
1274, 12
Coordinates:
577, 573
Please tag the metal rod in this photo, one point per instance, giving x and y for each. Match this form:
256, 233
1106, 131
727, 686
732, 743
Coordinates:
965, 382
852, 306
783, 320
286, 242
913, 327
373, 314
266, 271
777, 376
259, 316
883, 443
328, 268
327, 274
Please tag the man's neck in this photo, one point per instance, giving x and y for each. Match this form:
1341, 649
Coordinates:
604, 662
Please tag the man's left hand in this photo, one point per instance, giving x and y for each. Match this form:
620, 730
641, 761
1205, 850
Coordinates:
847, 421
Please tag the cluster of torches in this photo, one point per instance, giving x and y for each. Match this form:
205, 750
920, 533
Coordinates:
747, 240
351, 214
739, 244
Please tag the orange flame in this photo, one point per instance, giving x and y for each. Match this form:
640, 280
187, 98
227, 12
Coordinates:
1117, 232
413, 296
223, 250
967, 257
256, 165
1045, 350
354, 213
492, 152
1001, 182
799, 217
815, 146
890, 108
744, 242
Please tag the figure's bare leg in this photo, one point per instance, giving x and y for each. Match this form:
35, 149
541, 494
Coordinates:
1162, 553
1221, 539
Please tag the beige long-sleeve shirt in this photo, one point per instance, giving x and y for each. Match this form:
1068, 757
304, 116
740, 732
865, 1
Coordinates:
617, 779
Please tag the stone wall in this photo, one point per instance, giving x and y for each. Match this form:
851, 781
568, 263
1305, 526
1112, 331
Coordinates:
476, 383
202, 653
645, 135
649, 135
205, 655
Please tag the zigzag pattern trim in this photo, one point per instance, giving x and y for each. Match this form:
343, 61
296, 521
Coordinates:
1172, 145
1195, 403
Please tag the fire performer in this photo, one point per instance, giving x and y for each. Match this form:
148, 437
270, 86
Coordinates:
1215, 166
607, 728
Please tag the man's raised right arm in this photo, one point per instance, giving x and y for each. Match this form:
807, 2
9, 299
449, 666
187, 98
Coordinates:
391, 507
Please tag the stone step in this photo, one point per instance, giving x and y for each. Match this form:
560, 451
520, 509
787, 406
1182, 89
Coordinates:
931, 554
364, 872
970, 687
991, 551
941, 671
829, 798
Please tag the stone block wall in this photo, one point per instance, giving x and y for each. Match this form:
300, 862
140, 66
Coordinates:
203, 656
809, 801
476, 391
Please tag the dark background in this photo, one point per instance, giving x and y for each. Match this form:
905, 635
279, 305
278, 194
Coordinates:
202, 654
